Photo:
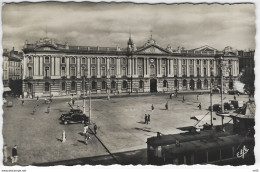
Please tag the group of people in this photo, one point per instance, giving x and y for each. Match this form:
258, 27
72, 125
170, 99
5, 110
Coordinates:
14, 157
85, 133
147, 119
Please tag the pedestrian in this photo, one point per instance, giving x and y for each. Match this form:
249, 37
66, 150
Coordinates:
183, 99
199, 106
171, 96
73, 101
148, 119
14, 156
85, 130
145, 118
22, 102
197, 97
5, 153
86, 138
235, 98
63, 137
152, 107
48, 109
95, 129
108, 97
166, 106
37, 98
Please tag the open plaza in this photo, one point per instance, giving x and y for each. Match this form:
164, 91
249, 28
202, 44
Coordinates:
121, 135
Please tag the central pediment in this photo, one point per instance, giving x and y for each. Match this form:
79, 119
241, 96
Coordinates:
152, 49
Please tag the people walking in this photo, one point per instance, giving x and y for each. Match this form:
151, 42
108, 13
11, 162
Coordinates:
37, 98
235, 98
148, 119
95, 129
152, 107
22, 102
85, 130
145, 119
73, 101
14, 156
166, 106
199, 106
63, 137
5, 153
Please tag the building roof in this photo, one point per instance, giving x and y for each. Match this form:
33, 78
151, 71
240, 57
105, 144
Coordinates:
150, 47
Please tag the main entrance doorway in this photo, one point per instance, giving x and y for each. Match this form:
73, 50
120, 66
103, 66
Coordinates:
153, 85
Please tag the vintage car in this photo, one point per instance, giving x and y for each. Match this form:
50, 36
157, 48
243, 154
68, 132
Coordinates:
74, 116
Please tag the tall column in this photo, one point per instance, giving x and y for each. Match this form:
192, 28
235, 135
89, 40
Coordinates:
68, 66
24, 67
179, 67
168, 67
148, 66
208, 61
89, 67
136, 70
195, 68
34, 66
145, 66
78, 67
214, 68
57, 73
52, 65
108, 68
201, 68
118, 66
98, 67
171, 66
157, 67
187, 68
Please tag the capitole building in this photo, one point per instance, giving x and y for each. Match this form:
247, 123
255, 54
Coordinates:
51, 68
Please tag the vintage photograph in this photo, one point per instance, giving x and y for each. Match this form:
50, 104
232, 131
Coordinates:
99, 83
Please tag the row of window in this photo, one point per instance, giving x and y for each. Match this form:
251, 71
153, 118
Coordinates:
73, 85
112, 60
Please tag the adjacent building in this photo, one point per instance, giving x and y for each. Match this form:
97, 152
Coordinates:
51, 68
246, 69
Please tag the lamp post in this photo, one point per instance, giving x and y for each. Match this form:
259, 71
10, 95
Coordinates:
84, 96
221, 80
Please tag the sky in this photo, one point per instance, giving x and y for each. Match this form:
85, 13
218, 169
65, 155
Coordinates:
109, 24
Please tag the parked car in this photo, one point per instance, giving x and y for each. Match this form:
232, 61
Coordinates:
228, 106
216, 107
74, 118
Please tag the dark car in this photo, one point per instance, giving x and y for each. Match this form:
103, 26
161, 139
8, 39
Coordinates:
74, 118
228, 106
216, 107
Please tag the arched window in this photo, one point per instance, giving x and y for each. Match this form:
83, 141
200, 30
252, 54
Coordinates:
205, 61
123, 71
211, 72
140, 72
198, 71
183, 71
83, 60
198, 61
124, 85
112, 61
93, 71
113, 85
103, 60
103, 71
46, 59
175, 83
205, 83
73, 60
199, 84
63, 60
47, 87
141, 84
165, 83
205, 71
63, 86
112, 71
73, 86
94, 85
47, 72
104, 85
184, 83
30, 59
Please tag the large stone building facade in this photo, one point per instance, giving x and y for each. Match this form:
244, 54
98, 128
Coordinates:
59, 69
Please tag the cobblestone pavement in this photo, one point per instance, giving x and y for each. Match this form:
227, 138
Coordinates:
120, 124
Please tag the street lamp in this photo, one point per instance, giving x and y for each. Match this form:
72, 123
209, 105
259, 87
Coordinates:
84, 96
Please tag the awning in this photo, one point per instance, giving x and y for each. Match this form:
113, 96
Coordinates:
6, 89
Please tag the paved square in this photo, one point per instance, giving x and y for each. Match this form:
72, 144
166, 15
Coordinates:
120, 124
